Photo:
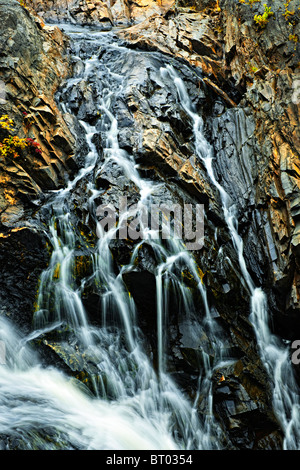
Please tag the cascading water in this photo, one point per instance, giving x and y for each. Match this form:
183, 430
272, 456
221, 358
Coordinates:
127, 399
128, 404
275, 356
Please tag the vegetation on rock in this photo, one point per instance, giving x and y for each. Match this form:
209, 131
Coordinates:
262, 20
11, 145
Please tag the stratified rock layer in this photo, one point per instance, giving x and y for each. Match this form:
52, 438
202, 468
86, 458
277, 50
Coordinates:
102, 14
32, 64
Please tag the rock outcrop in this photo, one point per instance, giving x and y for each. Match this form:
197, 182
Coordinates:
33, 63
98, 13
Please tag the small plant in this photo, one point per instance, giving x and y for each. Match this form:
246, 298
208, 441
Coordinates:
287, 13
253, 67
34, 145
6, 123
262, 20
11, 145
293, 37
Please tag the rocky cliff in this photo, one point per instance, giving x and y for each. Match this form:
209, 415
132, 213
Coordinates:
98, 13
243, 76
32, 65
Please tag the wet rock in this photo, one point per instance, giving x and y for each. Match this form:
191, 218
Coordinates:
266, 157
23, 255
240, 80
142, 286
238, 401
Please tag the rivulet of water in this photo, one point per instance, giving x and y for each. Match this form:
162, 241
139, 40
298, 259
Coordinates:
274, 354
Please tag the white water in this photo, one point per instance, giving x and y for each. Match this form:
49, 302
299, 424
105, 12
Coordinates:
33, 400
275, 356
128, 405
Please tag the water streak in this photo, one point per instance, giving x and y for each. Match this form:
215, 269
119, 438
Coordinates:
274, 354
128, 404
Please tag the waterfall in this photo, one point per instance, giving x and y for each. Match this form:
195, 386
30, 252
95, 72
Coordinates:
124, 398
127, 402
274, 355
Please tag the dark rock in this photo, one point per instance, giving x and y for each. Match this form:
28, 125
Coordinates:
23, 255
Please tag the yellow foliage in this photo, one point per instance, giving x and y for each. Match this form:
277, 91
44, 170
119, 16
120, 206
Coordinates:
6, 123
10, 145
56, 272
263, 19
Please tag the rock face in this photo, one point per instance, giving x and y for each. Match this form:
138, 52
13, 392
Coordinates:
32, 64
242, 79
102, 14
255, 73
75, 11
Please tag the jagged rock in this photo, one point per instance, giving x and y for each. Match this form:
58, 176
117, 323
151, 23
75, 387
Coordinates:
102, 14
32, 65
238, 397
75, 11
261, 159
23, 255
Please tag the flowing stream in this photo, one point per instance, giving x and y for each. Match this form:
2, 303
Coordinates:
125, 401
275, 356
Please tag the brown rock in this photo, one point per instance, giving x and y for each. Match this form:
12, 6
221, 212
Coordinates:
38, 55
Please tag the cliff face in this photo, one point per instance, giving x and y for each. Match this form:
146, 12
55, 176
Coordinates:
243, 80
32, 64
98, 13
